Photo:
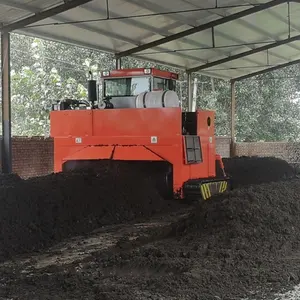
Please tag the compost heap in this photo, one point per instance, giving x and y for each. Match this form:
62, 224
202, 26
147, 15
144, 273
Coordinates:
243, 243
256, 170
39, 212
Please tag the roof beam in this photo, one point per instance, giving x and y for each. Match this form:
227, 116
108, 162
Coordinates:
106, 33
32, 9
17, 5
274, 68
143, 26
160, 31
223, 13
276, 15
69, 41
202, 27
238, 41
244, 54
178, 20
260, 30
39, 16
117, 36
284, 20
181, 21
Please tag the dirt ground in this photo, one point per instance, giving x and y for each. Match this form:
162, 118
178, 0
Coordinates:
241, 245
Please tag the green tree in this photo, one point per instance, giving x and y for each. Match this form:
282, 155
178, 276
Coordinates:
267, 108
34, 91
44, 71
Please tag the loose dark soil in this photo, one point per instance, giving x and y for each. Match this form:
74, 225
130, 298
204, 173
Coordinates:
39, 212
9, 179
242, 244
256, 170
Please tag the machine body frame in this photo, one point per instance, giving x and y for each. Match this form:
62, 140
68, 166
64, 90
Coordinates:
185, 140
182, 142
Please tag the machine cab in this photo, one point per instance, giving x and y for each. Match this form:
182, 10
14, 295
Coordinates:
122, 86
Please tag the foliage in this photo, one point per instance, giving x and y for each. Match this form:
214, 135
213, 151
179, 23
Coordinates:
35, 87
267, 108
43, 71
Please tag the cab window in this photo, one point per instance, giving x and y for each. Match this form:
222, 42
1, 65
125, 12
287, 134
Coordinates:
162, 84
116, 87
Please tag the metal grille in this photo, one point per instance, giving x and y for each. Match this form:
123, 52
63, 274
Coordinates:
193, 149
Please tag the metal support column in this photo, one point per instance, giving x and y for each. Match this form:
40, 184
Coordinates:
6, 153
232, 120
189, 91
194, 100
118, 63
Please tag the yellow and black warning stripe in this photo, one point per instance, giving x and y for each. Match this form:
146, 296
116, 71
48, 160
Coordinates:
205, 191
223, 186
212, 188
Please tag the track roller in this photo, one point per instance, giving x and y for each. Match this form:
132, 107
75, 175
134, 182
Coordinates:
205, 189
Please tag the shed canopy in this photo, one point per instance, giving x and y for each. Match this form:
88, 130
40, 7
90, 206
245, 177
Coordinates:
220, 38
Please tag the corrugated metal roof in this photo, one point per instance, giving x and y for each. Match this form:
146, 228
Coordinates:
131, 23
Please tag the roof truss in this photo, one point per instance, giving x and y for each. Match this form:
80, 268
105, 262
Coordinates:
203, 27
39, 16
274, 68
244, 54
187, 53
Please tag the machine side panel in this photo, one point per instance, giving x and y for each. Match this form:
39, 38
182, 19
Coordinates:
152, 122
62, 150
66, 123
91, 153
206, 131
118, 148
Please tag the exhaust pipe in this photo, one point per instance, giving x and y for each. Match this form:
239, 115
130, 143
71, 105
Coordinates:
92, 90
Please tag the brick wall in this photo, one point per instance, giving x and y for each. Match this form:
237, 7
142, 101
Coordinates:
32, 156
284, 150
287, 151
223, 146
277, 149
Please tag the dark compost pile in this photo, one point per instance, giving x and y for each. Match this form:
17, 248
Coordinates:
39, 212
256, 170
242, 244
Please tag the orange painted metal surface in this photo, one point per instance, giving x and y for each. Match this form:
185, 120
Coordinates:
67, 123
122, 73
91, 152
137, 122
133, 134
206, 131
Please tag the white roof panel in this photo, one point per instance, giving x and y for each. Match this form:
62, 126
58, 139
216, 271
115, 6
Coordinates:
131, 23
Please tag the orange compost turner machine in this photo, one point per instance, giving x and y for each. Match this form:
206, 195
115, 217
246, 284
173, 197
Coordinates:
139, 119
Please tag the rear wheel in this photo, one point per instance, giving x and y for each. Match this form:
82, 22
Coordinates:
164, 182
